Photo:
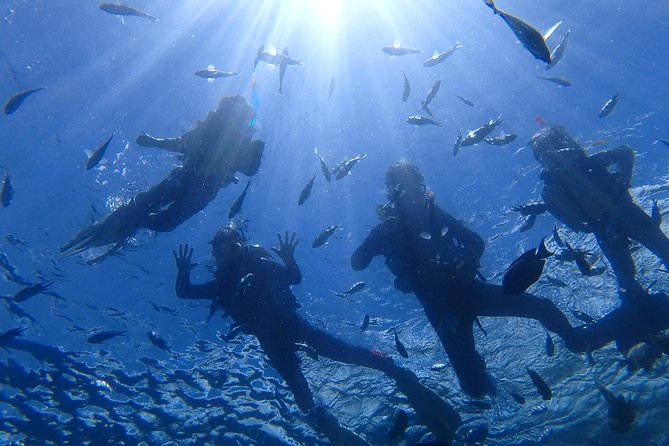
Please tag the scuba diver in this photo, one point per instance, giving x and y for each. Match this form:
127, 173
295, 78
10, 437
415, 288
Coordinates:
590, 194
211, 154
254, 290
436, 258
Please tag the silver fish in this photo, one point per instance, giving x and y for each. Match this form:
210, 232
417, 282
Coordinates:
122, 9
345, 167
421, 120
609, 106
324, 235
438, 57
557, 80
324, 167
237, 205
477, 135
7, 191
15, 101
425, 105
407, 88
306, 191
458, 143
397, 50
358, 286
465, 100
529, 37
211, 73
501, 140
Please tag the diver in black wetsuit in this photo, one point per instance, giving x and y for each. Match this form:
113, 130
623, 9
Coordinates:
211, 154
590, 194
255, 291
440, 268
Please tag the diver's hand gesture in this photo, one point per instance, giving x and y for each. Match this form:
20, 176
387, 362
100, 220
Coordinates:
286, 249
183, 259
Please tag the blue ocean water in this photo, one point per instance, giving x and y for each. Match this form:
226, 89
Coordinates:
104, 74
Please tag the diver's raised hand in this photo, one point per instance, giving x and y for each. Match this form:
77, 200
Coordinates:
286, 249
183, 259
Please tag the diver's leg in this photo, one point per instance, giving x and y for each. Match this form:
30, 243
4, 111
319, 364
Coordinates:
640, 227
489, 300
615, 246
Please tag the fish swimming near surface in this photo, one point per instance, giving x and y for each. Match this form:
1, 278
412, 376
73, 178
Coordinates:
344, 168
324, 167
211, 73
438, 57
465, 100
397, 50
540, 384
95, 157
557, 80
550, 346
356, 287
529, 37
583, 317
324, 235
421, 120
407, 88
121, 9
399, 346
282, 59
558, 52
306, 191
525, 270
106, 335
237, 205
30, 291
332, 87
425, 105
501, 140
365, 323
15, 101
10, 334
609, 106
477, 135
158, 341
7, 191
621, 412
399, 424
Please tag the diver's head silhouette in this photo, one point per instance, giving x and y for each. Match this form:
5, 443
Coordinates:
404, 177
554, 148
227, 242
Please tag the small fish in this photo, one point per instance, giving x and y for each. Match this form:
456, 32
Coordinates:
477, 135
7, 191
123, 10
421, 120
540, 384
525, 270
642, 355
550, 346
438, 57
332, 87
356, 287
10, 334
656, 214
529, 37
584, 317
102, 336
306, 191
501, 140
324, 167
397, 50
95, 157
609, 106
158, 341
324, 235
399, 425
237, 205
211, 73
15, 101
664, 141
407, 88
579, 258
365, 323
425, 105
345, 166
557, 80
556, 237
309, 350
30, 291
621, 413
558, 52
399, 346
528, 223
465, 100
518, 398
458, 143
273, 58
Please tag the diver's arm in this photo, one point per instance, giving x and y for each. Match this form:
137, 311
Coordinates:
184, 288
170, 144
623, 157
370, 248
286, 251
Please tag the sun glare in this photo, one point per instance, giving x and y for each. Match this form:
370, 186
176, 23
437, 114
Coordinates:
327, 10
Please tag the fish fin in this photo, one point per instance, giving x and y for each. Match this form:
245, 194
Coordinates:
211, 67
396, 44
543, 252
551, 30
425, 235
88, 153
435, 54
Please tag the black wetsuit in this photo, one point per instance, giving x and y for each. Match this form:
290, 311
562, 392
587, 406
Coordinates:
442, 275
583, 193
